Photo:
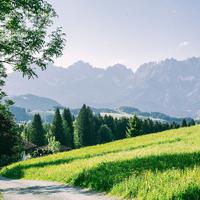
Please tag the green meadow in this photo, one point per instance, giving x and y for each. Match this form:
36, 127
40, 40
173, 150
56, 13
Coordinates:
158, 166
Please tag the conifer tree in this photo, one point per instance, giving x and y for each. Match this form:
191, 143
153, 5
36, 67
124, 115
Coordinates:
68, 127
146, 126
110, 122
184, 123
84, 132
121, 127
134, 127
173, 125
105, 134
37, 135
57, 128
192, 122
67, 134
98, 121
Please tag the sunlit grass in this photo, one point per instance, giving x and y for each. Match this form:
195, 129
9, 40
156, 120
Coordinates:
158, 166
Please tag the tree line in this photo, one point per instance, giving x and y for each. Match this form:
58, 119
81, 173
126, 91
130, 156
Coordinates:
88, 129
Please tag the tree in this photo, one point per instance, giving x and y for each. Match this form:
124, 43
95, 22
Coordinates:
57, 128
98, 121
146, 126
184, 123
121, 127
68, 127
110, 122
134, 127
10, 140
105, 134
37, 135
84, 131
2, 81
25, 38
67, 134
174, 125
26, 132
25, 43
53, 145
192, 122
150, 126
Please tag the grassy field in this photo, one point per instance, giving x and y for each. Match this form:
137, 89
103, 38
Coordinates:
158, 166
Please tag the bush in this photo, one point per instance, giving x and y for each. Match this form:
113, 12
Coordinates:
41, 152
53, 145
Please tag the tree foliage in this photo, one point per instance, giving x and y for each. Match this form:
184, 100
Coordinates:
84, 132
26, 43
37, 131
68, 127
57, 128
10, 140
89, 129
53, 145
105, 134
184, 123
191, 123
134, 127
25, 38
110, 122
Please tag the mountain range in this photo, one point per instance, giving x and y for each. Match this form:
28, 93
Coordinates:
169, 86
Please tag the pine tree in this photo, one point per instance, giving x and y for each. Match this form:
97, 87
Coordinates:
67, 134
121, 127
68, 127
57, 128
37, 135
134, 127
192, 122
184, 123
150, 124
145, 126
84, 132
98, 121
110, 122
105, 134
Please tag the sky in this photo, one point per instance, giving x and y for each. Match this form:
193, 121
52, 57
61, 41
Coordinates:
130, 32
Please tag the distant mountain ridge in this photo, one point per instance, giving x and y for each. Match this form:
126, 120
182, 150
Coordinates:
169, 86
27, 105
33, 102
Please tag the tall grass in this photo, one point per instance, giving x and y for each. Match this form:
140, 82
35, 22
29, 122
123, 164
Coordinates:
158, 166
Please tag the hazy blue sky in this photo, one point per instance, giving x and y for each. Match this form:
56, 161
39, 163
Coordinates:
132, 32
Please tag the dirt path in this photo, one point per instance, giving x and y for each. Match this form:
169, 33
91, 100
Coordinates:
43, 190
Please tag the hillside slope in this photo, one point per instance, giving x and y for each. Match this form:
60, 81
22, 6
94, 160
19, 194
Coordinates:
161, 166
33, 102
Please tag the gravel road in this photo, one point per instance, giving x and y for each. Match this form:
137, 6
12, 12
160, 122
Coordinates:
43, 190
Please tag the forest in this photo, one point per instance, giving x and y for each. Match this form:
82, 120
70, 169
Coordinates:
87, 129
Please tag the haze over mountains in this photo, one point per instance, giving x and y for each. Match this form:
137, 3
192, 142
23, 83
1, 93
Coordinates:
170, 86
